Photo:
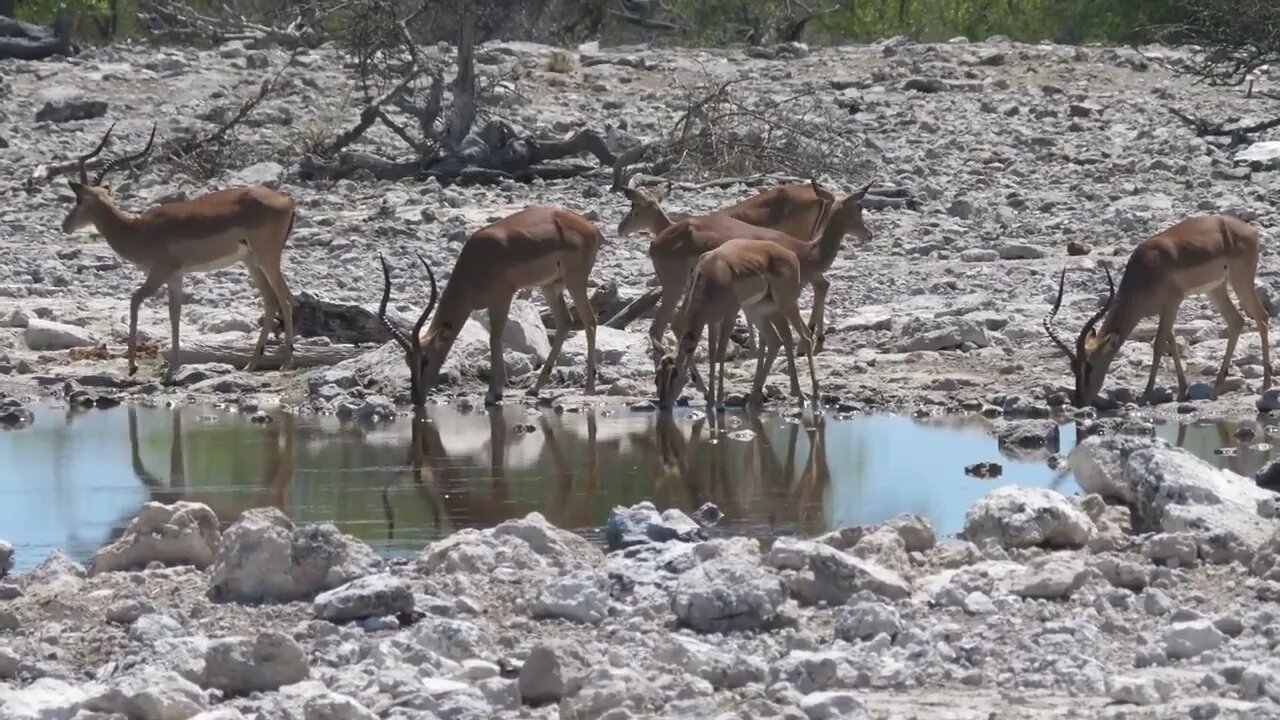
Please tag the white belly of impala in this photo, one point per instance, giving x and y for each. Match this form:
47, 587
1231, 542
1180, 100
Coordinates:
1202, 289
240, 255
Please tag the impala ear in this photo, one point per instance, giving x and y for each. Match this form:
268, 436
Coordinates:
632, 194
1113, 341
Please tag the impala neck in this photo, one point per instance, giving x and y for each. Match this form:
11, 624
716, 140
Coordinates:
117, 226
1118, 321
827, 245
661, 221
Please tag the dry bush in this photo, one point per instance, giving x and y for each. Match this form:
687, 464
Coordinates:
725, 131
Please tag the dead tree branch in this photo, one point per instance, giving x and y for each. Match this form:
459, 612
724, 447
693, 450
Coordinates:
1240, 135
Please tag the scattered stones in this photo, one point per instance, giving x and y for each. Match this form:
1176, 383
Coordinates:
6, 558
1138, 691
920, 333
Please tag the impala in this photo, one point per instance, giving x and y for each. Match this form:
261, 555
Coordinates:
761, 277
786, 215
550, 248
1199, 255
249, 225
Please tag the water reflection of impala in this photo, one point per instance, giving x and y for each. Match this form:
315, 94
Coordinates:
443, 469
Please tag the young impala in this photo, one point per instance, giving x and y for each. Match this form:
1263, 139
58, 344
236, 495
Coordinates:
550, 248
249, 225
1199, 255
762, 278
786, 214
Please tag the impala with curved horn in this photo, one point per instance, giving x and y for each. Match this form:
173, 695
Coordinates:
249, 225
550, 248
1199, 255
411, 345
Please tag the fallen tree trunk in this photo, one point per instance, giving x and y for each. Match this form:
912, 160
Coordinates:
24, 41
196, 352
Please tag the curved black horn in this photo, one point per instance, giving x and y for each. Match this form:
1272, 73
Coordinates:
80, 161
127, 159
382, 307
1088, 326
1048, 320
431, 304
620, 178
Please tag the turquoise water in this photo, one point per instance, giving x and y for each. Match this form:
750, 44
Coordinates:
72, 481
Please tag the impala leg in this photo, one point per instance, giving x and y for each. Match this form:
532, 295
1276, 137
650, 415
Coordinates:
769, 346
582, 306
175, 317
1164, 330
284, 301
673, 285
1235, 323
1249, 300
793, 316
818, 316
709, 392
497, 365
1172, 343
555, 300
154, 280
269, 311
787, 341
721, 351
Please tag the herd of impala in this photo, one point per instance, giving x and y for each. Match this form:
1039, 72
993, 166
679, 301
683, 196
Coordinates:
754, 256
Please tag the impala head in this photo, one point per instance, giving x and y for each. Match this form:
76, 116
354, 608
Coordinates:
92, 197
424, 364
1093, 353
848, 214
670, 379
646, 211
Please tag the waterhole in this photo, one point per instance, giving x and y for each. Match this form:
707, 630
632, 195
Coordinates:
73, 480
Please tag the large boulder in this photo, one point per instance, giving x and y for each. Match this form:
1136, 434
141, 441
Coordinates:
264, 558
525, 544
45, 699
184, 533
731, 592
369, 596
242, 665
1172, 491
46, 335
1016, 517
152, 695
641, 523
6, 558
833, 576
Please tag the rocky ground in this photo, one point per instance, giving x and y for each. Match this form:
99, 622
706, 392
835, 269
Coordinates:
993, 158
1152, 596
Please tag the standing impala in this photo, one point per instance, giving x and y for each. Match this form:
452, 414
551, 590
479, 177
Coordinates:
1199, 255
249, 225
546, 247
761, 277
785, 215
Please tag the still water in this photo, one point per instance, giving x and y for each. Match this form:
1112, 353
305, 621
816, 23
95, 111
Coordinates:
73, 480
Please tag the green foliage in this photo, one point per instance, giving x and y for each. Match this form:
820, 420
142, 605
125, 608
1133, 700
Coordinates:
720, 21
43, 12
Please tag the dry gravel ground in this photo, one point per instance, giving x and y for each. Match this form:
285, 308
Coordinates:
1009, 151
